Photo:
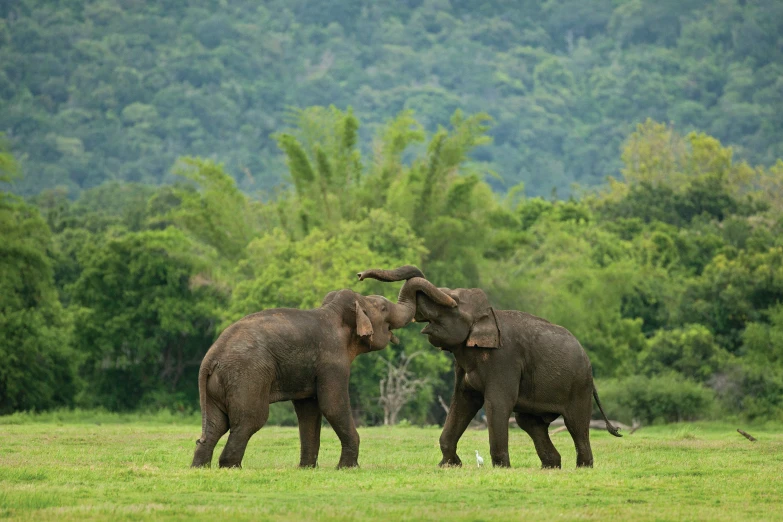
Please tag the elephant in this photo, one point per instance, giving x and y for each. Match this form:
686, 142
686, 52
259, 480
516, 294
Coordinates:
299, 355
509, 362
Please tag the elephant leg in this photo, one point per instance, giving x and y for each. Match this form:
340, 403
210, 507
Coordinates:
578, 424
216, 427
309, 415
464, 406
539, 432
498, 411
245, 421
335, 403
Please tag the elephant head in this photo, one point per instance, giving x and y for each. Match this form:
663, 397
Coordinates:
374, 317
404, 309
470, 320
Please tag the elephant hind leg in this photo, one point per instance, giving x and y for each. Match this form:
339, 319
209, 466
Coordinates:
216, 426
578, 424
246, 419
538, 430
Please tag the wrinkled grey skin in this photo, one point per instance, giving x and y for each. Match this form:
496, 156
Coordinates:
509, 362
299, 355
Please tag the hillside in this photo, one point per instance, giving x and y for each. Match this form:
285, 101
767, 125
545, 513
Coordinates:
118, 89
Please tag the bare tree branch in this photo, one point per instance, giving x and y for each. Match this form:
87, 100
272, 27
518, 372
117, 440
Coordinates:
443, 404
398, 388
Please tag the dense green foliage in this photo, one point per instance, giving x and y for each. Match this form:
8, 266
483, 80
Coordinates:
36, 361
102, 90
671, 277
128, 468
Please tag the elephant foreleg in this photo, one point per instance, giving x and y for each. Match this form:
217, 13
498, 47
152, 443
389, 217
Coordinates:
309, 415
335, 403
498, 411
464, 406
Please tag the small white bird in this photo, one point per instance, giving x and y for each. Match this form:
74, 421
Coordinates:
479, 460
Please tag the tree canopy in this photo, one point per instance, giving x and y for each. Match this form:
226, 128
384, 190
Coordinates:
669, 275
118, 90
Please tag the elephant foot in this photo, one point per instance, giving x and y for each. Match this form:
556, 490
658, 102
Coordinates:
451, 461
308, 465
501, 461
349, 456
550, 465
349, 460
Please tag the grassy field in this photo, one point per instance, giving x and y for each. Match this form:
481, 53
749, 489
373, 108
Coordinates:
113, 467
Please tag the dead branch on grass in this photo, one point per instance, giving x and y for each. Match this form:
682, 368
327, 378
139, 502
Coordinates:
595, 424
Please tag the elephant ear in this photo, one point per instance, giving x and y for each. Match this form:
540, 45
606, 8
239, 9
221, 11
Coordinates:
485, 332
363, 324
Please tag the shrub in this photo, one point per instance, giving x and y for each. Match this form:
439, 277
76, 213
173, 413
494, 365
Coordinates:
661, 398
691, 350
752, 391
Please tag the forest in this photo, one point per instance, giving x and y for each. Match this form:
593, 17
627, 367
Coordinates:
670, 275
613, 166
93, 91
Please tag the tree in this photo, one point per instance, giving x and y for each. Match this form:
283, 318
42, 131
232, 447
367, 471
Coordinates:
324, 163
217, 213
145, 318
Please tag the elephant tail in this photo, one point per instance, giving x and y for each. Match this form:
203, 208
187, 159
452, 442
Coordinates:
611, 429
203, 375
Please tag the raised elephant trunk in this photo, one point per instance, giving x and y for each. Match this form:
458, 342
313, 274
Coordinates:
405, 308
389, 276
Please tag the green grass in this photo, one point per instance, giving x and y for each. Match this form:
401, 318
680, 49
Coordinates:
71, 468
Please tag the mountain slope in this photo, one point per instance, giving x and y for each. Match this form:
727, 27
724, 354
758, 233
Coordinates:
118, 89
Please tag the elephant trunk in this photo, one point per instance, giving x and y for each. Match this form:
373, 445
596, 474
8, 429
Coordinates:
389, 276
405, 308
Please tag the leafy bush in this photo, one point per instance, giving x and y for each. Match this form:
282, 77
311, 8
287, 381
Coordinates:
661, 398
690, 350
753, 392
